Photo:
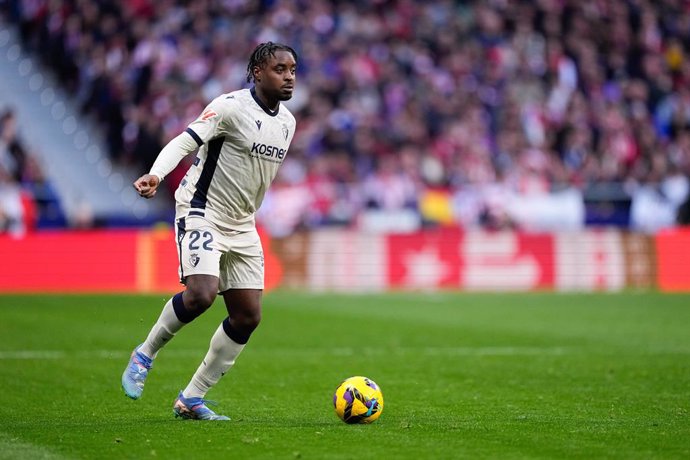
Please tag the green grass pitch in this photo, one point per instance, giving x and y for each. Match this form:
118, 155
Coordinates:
504, 376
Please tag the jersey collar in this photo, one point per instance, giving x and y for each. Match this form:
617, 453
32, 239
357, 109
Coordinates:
272, 113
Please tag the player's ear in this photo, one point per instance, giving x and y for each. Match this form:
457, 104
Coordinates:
256, 71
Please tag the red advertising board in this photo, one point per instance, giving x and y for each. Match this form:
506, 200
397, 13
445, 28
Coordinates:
673, 254
99, 261
69, 262
346, 260
424, 260
450, 258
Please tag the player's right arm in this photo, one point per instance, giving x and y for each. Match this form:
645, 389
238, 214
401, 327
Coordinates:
167, 159
205, 127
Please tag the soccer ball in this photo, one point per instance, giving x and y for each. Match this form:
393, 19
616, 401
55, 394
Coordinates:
358, 400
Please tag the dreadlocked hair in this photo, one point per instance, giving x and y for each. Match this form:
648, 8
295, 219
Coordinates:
261, 54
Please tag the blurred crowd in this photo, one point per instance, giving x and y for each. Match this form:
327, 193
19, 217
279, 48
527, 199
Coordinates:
437, 111
27, 197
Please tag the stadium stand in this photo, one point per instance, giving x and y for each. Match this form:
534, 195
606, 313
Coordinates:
498, 114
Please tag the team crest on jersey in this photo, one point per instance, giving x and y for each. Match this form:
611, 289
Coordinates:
194, 259
258, 124
285, 131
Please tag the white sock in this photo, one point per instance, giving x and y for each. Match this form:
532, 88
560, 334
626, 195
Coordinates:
165, 328
220, 358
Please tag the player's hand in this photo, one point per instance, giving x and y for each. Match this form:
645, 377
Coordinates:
146, 185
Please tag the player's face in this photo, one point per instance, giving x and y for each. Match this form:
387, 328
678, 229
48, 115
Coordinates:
277, 78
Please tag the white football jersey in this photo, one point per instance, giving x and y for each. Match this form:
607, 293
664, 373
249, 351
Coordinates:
242, 143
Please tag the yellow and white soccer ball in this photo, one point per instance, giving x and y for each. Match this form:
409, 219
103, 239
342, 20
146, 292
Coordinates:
358, 400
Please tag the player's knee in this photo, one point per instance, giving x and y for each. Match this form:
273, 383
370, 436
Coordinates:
199, 299
201, 292
252, 320
244, 310
247, 321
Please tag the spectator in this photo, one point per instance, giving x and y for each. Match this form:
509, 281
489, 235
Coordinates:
12, 152
528, 96
27, 199
11, 206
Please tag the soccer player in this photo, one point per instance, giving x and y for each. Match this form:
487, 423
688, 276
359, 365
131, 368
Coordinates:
243, 138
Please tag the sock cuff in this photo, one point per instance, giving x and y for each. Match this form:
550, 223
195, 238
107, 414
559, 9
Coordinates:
180, 311
235, 335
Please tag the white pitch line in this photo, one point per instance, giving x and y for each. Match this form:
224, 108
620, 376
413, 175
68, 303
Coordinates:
507, 351
348, 351
32, 354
